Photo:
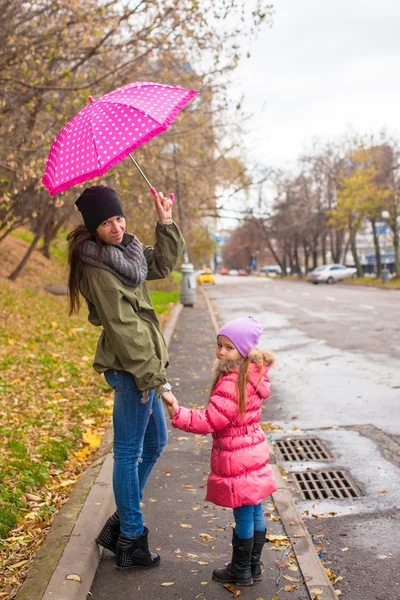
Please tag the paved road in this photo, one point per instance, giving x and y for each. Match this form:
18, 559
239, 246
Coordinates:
337, 346
337, 378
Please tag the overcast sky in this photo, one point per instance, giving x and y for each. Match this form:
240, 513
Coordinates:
324, 67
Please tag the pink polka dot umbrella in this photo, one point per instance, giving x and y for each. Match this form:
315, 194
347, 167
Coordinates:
108, 129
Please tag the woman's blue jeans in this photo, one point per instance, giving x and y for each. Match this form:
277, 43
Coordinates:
249, 518
140, 435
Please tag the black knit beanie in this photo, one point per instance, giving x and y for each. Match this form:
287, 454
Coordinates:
97, 204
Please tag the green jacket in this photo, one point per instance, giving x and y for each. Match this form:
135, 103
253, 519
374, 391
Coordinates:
131, 339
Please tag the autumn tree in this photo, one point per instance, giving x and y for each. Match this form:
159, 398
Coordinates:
53, 55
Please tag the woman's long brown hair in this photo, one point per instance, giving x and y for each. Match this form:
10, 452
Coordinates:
76, 238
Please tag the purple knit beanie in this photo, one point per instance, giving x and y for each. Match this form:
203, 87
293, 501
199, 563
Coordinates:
244, 332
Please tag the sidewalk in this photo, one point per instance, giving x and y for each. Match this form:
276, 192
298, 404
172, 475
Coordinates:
193, 537
175, 511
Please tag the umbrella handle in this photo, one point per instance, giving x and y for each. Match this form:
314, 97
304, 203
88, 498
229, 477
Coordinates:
141, 172
152, 189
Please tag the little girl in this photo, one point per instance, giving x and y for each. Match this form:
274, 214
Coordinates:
240, 476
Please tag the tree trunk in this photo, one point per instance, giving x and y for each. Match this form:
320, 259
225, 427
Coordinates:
323, 248
271, 248
306, 256
297, 262
353, 244
13, 276
378, 260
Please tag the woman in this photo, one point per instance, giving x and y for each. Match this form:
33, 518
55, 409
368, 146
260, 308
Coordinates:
109, 267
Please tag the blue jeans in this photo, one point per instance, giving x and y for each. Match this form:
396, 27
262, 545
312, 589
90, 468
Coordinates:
249, 518
140, 435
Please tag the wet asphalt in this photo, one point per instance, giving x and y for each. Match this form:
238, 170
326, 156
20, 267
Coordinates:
192, 536
337, 378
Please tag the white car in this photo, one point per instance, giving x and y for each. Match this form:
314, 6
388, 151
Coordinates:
331, 274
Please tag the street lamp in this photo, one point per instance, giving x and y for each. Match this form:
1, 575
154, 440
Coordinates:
385, 272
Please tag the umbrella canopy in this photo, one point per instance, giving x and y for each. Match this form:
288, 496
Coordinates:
106, 130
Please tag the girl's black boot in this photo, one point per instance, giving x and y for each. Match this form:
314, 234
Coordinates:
258, 545
134, 553
239, 569
108, 536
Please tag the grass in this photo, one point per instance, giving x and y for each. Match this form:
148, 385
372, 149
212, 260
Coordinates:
374, 282
54, 410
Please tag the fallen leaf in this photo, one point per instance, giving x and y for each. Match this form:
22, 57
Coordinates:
317, 591
202, 562
229, 587
290, 588
383, 490
92, 438
185, 525
167, 583
74, 577
206, 536
344, 549
290, 578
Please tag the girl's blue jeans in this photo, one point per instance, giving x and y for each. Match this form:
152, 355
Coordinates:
249, 518
140, 435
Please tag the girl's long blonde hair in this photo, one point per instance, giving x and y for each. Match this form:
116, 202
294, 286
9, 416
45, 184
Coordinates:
259, 357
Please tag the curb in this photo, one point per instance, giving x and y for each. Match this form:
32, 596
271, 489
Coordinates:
312, 570
51, 553
70, 549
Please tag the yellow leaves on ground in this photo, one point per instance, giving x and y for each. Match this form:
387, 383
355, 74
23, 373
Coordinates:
167, 583
185, 525
92, 438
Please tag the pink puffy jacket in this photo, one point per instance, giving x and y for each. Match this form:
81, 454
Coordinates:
240, 473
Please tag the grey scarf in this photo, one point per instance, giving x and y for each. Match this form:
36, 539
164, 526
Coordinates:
126, 261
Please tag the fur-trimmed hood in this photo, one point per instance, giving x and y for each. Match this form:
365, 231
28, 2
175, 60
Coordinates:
221, 368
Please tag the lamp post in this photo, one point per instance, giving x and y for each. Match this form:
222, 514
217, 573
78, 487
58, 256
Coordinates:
188, 285
385, 271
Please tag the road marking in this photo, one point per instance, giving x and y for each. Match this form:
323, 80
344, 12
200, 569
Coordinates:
331, 298
367, 306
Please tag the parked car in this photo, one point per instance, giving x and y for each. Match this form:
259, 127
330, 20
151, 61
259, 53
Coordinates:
233, 272
271, 270
224, 272
242, 272
331, 274
206, 276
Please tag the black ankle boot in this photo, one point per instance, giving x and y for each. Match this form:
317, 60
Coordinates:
108, 536
258, 545
134, 553
239, 569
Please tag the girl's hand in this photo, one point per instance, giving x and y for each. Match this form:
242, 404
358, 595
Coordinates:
163, 207
170, 402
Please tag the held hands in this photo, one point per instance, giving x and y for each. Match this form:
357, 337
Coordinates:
170, 402
163, 207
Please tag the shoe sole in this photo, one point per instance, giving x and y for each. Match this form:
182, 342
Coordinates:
240, 583
137, 567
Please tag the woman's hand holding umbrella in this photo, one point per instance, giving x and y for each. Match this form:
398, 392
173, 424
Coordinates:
163, 206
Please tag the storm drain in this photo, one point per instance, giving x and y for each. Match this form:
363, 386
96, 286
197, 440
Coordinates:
322, 485
302, 449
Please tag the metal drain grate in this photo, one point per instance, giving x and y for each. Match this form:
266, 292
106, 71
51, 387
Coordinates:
302, 449
321, 485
